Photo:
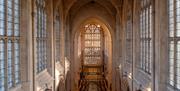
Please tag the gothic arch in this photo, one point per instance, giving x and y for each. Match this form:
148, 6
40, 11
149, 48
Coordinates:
75, 64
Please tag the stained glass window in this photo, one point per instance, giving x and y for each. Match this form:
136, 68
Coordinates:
16, 61
129, 41
9, 46
41, 36
146, 36
9, 34
57, 32
2, 65
92, 43
174, 43
8, 9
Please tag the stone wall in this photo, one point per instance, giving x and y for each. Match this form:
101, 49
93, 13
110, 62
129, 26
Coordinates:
157, 81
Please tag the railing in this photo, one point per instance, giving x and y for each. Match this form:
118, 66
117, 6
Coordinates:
101, 83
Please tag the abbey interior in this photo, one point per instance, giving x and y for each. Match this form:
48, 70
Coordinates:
89, 45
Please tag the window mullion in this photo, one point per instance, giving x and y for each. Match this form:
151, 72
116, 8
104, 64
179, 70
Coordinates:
13, 63
142, 33
5, 20
175, 51
13, 52
5, 41
145, 42
175, 63
6, 65
149, 39
141, 40
13, 18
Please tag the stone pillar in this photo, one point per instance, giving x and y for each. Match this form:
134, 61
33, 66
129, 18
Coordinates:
26, 58
161, 45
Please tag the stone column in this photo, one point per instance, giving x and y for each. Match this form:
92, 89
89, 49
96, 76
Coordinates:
26, 58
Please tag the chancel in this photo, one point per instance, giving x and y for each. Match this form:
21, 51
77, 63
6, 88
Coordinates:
89, 45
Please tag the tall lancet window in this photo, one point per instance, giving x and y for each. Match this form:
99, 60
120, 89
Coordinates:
9, 44
146, 36
41, 36
129, 42
57, 38
92, 45
174, 43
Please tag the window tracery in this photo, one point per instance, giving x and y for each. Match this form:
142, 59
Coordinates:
146, 41
174, 43
9, 44
92, 44
41, 36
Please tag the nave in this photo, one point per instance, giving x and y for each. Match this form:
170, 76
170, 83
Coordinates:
89, 45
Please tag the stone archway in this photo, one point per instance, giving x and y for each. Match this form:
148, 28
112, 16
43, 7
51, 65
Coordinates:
107, 52
79, 15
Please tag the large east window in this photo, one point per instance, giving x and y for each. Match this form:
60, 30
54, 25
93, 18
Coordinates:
92, 45
146, 41
9, 44
174, 43
41, 36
